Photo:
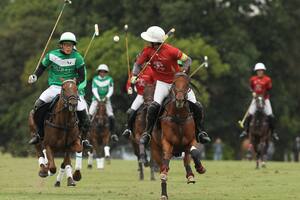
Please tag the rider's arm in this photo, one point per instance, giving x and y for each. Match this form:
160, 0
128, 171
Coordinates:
140, 60
39, 71
187, 62
110, 89
81, 74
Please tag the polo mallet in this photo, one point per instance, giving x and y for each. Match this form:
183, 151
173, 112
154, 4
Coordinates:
96, 33
204, 64
171, 32
129, 91
241, 122
55, 25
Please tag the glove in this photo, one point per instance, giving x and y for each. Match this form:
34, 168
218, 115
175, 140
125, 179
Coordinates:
32, 78
129, 91
253, 94
133, 79
114, 138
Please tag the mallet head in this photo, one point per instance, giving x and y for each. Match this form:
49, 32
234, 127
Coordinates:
125, 27
96, 30
241, 124
68, 1
205, 61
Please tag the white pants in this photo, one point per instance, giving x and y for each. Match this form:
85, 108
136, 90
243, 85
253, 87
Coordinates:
138, 101
267, 109
51, 92
109, 109
162, 90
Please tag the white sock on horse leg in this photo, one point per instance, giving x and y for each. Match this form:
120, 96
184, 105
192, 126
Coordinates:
60, 174
69, 171
100, 163
45, 156
78, 163
90, 159
42, 161
106, 151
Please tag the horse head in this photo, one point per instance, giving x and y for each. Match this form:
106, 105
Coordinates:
101, 112
260, 103
180, 89
69, 94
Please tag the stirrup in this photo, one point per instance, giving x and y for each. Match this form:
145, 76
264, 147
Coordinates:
243, 134
275, 136
145, 139
34, 140
86, 144
203, 137
127, 133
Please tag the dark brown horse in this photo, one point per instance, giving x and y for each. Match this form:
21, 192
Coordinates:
259, 132
138, 129
61, 132
177, 133
100, 136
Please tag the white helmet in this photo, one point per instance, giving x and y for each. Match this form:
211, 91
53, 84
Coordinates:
259, 66
103, 67
154, 34
67, 36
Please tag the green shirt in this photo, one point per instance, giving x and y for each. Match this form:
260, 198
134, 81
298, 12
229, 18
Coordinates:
102, 85
61, 65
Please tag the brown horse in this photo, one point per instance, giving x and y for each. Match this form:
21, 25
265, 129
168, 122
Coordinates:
177, 133
100, 136
138, 129
61, 133
259, 132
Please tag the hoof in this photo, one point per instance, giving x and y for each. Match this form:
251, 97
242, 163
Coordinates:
201, 170
77, 175
43, 174
152, 179
57, 184
71, 182
163, 197
190, 179
90, 166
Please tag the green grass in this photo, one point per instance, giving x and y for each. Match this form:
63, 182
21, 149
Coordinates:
224, 180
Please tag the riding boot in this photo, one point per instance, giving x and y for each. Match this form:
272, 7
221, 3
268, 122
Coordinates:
39, 125
111, 120
84, 126
131, 114
152, 115
271, 119
246, 126
201, 135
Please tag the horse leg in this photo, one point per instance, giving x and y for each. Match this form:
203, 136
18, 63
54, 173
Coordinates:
90, 159
60, 175
42, 160
152, 169
142, 153
51, 163
141, 171
67, 162
167, 155
100, 157
78, 166
196, 154
189, 173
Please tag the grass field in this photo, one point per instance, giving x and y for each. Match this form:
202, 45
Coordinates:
226, 180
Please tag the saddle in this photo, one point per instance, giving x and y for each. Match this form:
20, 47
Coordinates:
43, 113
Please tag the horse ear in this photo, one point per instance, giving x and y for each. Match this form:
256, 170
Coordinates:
62, 79
74, 79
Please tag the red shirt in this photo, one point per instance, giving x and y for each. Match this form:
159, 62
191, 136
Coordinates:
261, 86
164, 63
145, 78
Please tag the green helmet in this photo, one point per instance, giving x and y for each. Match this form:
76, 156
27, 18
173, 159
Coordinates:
67, 37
